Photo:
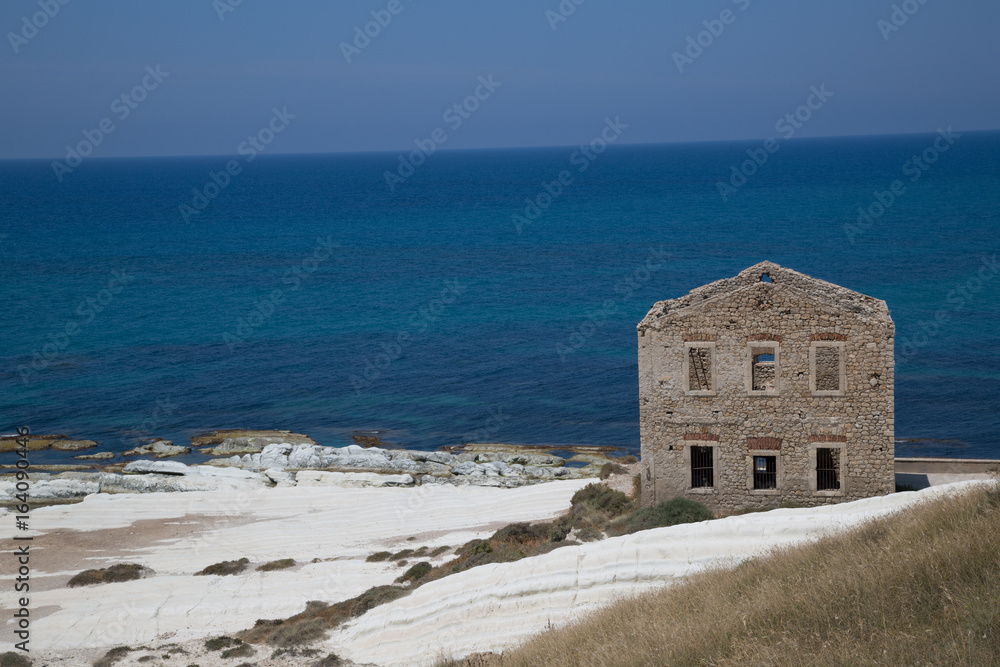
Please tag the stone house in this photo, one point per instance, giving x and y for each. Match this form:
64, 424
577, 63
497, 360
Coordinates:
767, 387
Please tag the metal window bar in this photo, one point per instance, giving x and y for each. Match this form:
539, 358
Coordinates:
827, 469
765, 472
702, 470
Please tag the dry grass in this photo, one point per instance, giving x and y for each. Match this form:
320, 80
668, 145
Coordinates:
921, 587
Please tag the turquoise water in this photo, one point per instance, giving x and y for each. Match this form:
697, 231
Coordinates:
306, 295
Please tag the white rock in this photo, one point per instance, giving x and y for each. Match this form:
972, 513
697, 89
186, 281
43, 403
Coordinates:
350, 479
281, 478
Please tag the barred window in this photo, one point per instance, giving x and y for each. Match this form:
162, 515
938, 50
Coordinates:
765, 472
702, 467
827, 469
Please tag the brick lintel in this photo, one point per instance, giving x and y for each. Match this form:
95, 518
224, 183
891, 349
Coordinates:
764, 443
701, 436
827, 336
765, 336
827, 438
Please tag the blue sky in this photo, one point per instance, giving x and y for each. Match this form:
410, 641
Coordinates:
557, 85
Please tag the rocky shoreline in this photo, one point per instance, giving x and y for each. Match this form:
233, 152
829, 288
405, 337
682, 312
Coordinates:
263, 459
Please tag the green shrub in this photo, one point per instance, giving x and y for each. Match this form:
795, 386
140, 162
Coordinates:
378, 557
603, 498
329, 661
219, 643
226, 567
279, 564
609, 469
113, 656
628, 460
12, 659
108, 575
416, 572
668, 513
241, 651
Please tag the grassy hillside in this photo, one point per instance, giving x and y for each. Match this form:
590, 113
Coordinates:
919, 588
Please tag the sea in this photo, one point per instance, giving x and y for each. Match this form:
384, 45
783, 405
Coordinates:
481, 295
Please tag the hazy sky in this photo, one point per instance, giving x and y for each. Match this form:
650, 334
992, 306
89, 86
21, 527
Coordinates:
558, 79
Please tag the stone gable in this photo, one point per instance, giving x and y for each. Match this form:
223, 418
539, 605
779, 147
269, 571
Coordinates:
792, 377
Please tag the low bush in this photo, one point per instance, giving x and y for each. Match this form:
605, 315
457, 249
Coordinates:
219, 643
280, 564
609, 469
113, 656
108, 575
226, 567
378, 557
668, 513
318, 618
12, 659
415, 573
241, 651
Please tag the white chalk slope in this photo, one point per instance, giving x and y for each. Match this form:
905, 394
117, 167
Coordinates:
493, 607
339, 526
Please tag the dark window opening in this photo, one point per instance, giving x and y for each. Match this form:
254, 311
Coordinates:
765, 472
766, 278
827, 469
702, 470
763, 372
699, 369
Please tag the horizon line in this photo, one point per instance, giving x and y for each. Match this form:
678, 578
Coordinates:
496, 148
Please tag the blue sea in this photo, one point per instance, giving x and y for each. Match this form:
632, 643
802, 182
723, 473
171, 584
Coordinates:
481, 299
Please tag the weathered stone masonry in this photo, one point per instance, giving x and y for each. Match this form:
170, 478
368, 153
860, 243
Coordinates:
766, 387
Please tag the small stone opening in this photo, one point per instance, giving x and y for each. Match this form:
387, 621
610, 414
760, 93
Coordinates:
766, 278
699, 369
827, 368
763, 370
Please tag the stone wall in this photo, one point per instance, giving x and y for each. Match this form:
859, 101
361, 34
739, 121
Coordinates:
829, 385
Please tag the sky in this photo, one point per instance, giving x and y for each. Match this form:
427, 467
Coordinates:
677, 71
